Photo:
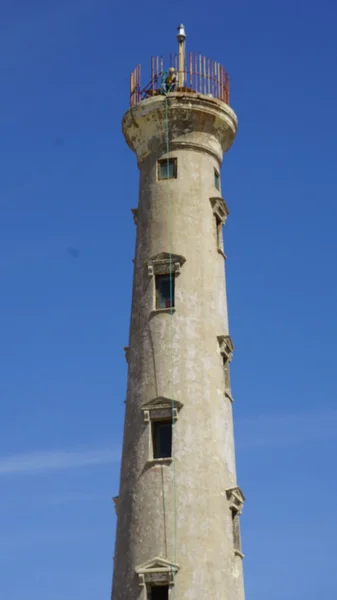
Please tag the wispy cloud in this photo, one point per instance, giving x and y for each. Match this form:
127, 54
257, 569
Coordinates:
287, 429
35, 462
262, 430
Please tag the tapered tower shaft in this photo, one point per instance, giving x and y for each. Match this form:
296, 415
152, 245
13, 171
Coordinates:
179, 503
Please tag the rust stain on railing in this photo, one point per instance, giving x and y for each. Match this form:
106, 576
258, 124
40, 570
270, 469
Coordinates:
201, 75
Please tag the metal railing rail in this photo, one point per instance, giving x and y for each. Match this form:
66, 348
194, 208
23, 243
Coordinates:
200, 75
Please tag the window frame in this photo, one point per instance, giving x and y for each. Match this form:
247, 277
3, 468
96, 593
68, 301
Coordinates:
226, 348
167, 162
217, 182
157, 572
236, 532
155, 429
219, 233
236, 500
220, 213
166, 264
160, 409
227, 377
171, 298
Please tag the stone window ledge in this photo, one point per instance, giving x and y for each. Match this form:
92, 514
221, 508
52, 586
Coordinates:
159, 461
238, 553
168, 311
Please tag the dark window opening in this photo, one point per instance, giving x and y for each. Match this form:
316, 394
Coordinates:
164, 291
236, 530
217, 180
227, 377
167, 168
159, 592
218, 225
162, 439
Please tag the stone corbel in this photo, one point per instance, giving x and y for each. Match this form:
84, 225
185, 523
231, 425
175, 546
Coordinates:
116, 503
177, 268
126, 351
226, 347
220, 209
236, 499
135, 215
146, 416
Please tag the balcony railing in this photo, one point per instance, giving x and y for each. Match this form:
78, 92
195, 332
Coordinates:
200, 75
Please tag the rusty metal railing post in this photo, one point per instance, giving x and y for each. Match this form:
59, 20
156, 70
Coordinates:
200, 75
152, 74
191, 67
131, 88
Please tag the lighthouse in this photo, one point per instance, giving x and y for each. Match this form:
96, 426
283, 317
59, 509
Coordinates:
179, 502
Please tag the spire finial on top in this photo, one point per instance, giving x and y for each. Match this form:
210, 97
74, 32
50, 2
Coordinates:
181, 36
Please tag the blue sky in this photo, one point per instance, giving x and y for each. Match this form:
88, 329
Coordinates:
68, 182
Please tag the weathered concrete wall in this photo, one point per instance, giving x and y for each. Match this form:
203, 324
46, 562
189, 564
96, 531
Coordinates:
179, 357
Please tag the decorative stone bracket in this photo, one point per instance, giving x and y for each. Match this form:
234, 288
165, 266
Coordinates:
157, 571
126, 352
160, 409
220, 209
135, 215
116, 503
226, 347
236, 499
164, 264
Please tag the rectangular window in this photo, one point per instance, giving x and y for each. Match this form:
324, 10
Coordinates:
236, 530
167, 168
164, 291
159, 592
219, 238
226, 373
217, 180
162, 439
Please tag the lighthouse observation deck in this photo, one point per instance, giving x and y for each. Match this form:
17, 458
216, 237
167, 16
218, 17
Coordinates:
185, 99
195, 73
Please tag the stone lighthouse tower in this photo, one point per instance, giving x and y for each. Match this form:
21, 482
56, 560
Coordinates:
179, 503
